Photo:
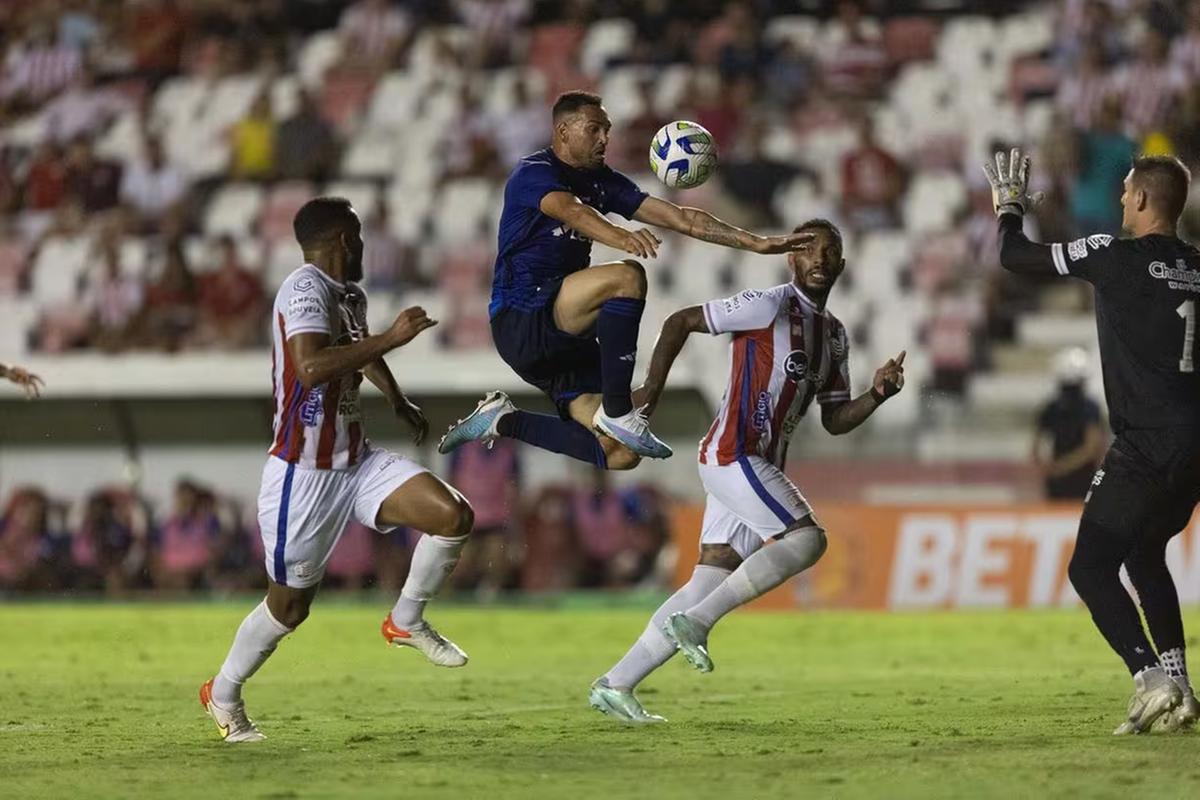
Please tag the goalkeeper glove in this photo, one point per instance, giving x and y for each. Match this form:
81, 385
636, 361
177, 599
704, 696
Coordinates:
1009, 179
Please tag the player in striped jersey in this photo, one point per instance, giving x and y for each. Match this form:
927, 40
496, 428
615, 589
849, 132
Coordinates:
787, 350
322, 470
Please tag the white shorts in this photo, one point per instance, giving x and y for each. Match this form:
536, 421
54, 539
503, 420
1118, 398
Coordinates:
749, 501
302, 511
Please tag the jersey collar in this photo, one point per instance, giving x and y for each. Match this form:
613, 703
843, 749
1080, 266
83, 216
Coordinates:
808, 301
325, 276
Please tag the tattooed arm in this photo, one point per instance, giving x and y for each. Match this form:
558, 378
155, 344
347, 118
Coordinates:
700, 224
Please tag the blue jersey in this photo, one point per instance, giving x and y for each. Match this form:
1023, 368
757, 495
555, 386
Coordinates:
536, 251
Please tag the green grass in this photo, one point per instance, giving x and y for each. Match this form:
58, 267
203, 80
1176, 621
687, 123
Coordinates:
99, 701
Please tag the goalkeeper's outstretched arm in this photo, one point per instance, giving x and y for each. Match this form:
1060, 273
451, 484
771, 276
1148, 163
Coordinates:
1020, 255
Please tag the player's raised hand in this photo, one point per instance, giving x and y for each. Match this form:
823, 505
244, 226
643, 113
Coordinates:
889, 379
31, 383
1009, 179
411, 413
408, 324
642, 243
770, 245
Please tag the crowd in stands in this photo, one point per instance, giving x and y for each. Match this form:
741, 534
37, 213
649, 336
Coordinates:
116, 541
123, 125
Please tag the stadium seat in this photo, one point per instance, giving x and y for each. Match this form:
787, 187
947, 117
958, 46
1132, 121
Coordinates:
932, 201
133, 256
394, 101
606, 39
229, 101
280, 208
14, 259
464, 204
285, 96
320, 52
362, 195
371, 153
802, 30
58, 268
233, 209
282, 260
122, 141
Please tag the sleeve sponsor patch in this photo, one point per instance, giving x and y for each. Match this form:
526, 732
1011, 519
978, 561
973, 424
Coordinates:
1077, 249
736, 302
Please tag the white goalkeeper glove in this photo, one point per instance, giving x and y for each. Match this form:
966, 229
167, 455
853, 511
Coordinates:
1009, 178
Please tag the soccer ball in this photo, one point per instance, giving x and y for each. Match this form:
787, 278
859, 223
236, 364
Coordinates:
683, 154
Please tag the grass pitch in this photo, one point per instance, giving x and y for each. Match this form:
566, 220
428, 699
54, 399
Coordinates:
100, 701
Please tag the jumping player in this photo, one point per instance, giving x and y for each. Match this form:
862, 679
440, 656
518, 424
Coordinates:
321, 468
1147, 291
570, 330
787, 350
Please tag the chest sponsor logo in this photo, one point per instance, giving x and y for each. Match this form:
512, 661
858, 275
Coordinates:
311, 409
762, 411
349, 407
563, 230
795, 366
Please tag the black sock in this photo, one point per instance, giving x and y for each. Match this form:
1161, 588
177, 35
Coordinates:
552, 433
1095, 574
617, 330
1147, 568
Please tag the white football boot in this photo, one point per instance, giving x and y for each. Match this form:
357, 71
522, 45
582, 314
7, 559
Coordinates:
232, 722
1155, 693
620, 704
1183, 716
437, 648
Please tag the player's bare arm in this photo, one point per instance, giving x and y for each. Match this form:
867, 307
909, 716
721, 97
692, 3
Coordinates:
567, 209
675, 331
31, 383
380, 374
319, 362
700, 224
839, 418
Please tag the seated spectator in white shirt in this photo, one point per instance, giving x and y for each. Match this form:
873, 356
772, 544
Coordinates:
83, 108
37, 68
113, 301
373, 34
152, 187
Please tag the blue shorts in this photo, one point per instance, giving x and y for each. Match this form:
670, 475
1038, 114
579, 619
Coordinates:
561, 364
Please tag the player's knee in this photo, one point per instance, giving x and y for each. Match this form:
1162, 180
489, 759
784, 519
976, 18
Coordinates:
291, 612
630, 279
622, 458
458, 518
721, 556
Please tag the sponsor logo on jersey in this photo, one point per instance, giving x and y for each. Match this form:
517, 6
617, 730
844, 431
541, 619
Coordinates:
304, 284
1077, 249
762, 411
349, 408
1097, 479
1098, 240
734, 303
311, 410
1177, 277
795, 366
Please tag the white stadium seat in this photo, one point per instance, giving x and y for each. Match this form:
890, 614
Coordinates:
317, 55
606, 39
58, 268
233, 209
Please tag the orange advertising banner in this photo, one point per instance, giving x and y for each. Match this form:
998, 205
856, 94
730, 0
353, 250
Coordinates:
888, 557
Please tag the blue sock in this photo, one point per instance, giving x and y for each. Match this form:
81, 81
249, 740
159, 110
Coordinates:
552, 433
617, 330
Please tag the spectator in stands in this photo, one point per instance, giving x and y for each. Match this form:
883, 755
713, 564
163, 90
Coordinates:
305, 145
522, 129
1185, 50
253, 143
110, 544
170, 311
627, 148
470, 150
83, 109
1069, 441
872, 182
388, 263
152, 187
752, 177
1083, 91
719, 106
1083, 23
551, 558
490, 478
232, 303
648, 533
743, 53
374, 34
46, 179
1104, 156
37, 69
855, 61
186, 554
788, 75
352, 563
95, 183
113, 301
31, 552
495, 27
1148, 86
601, 525
156, 31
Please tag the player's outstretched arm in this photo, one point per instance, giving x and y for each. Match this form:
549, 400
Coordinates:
699, 224
1009, 179
675, 331
380, 374
31, 383
317, 361
839, 418
567, 209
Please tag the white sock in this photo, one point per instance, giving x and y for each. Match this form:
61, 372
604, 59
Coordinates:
1175, 663
652, 649
256, 639
760, 573
433, 560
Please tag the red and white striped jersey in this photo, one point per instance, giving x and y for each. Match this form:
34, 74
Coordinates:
321, 427
785, 352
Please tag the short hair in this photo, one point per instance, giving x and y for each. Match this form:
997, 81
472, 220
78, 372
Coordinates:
1166, 181
322, 219
570, 102
820, 224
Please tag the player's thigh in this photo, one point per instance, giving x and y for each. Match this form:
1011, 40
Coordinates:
618, 457
582, 293
1127, 497
397, 492
759, 494
725, 540
301, 515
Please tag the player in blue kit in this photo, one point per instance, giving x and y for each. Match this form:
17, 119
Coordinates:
569, 329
